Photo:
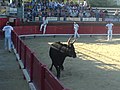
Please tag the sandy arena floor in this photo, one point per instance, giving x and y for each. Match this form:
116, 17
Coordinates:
97, 66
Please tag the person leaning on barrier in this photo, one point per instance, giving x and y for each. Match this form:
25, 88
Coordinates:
7, 31
109, 27
76, 28
44, 24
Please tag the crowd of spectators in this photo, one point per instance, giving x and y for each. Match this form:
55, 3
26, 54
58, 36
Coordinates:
49, 8
61, 9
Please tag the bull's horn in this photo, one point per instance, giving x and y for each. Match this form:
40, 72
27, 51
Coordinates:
69, 39
74, 41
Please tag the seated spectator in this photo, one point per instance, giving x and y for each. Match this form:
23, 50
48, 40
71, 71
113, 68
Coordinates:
84, 13
13, 5
87, 14
92, 13
102, 15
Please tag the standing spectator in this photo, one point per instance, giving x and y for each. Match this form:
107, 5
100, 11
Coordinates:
85, 4
76, 27
44, 24
106, 12
109, 27
116, 13
97, 14
8, 42
102, 15
81, 15
29, 16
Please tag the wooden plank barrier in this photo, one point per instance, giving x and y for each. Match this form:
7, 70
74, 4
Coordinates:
37, 72
28, 60
23, 54
67, 28
51, 82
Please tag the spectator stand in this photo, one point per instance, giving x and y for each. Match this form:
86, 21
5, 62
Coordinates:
59, 11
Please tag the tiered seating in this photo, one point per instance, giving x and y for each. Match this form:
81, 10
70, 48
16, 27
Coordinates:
111, 11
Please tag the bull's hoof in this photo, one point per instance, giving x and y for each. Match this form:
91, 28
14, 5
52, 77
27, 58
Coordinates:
58, 77
50, 69
54, 36
62, 68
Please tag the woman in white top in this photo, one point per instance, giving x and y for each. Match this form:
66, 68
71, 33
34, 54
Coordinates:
7, 30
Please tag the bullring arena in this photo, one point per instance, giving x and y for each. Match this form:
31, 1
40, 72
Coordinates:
97, 66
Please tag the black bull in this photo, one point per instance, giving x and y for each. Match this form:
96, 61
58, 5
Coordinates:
58, 52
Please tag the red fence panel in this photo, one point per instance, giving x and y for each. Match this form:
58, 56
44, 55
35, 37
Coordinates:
26, 30
23, 53
15, 39
18, 30
64, 29
51, 30
84, 28
28, 60
116, 30
19, 46
37, 30
99, 30
37, 72
51, 82
3, 22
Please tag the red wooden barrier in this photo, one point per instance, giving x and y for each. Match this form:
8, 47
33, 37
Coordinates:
28, 60
23, 53
38, 74
3, 22
19, 46
85, 28
51, 82
14, 37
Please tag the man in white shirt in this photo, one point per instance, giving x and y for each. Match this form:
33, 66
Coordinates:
44, 24
85, 4
76, 28
109, 27
7, 30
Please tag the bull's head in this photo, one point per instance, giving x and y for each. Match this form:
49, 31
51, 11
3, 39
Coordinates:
71, 51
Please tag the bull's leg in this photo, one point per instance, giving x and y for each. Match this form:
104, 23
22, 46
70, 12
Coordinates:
62, 68
51, 67
58, 71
